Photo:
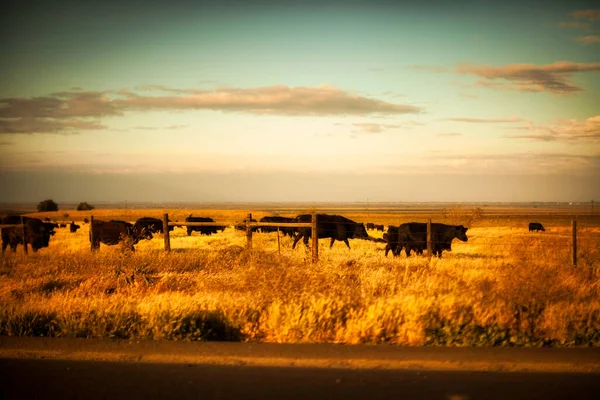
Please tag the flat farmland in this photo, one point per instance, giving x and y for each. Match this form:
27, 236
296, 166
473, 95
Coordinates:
504, 287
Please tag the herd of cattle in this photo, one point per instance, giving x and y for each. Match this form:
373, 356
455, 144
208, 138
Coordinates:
409, 236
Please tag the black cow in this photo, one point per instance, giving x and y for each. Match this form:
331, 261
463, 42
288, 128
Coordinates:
50, 227
242, 225
37, 233
275, 219
335, 227
204, 230
391, 237
73, 227
536, 226
380, 228
413, 236
62, 225
111, 233
370, 226
145, 227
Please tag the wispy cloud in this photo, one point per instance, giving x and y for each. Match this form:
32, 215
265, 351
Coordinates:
590, 15
525, 162
569, 131
554, 78
276, 100
485, 120
578, 25
6, 143
450, 134
374, 128
79, 110
46, 125
591, 39
159, 128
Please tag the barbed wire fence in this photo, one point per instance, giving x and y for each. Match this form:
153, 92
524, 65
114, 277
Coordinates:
575, 236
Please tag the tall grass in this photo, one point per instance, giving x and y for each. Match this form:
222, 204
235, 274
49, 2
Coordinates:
504, 287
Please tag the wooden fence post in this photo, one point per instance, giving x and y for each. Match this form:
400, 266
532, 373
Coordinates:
92, 248
574, 241
166, 235
429, 246
315, 238
248, 232
23, 235
278, 242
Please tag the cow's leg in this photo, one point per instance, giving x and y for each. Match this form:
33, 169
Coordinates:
297, 239
331, 244
4, 245
347, 244
387, 249
189, 230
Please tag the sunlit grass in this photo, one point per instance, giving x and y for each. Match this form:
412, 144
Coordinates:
505, 286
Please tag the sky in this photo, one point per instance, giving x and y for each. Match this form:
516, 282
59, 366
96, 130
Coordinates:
192, 101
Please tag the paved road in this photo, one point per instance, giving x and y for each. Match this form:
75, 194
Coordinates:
95, 369
66, 379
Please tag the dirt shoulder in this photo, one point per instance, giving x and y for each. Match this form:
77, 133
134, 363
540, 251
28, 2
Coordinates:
577, 360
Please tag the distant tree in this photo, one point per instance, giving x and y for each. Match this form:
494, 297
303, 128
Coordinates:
84, 206
47, 205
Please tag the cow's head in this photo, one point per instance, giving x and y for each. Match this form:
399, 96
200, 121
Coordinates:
361, 232
49, 227
461, 233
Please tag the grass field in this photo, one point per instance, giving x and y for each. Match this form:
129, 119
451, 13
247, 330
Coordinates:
504, 287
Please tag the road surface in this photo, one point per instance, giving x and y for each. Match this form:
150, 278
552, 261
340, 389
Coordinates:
96, 369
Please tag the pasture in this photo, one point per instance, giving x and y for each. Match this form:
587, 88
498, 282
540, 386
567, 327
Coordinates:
504, 287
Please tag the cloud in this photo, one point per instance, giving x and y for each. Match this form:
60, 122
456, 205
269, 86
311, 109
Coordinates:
589, 39
526, 162
590, 15
72, 110
582, 26
46, 125
569, 131
450, 134
274, 100
59, 106
374, 128
553, 78
6, 143
485, 120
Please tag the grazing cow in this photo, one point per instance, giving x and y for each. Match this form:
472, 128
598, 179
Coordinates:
380, 228
335, 227
391, 237
62, 225
111, 233
50, 227
242, 225
204, 230
73, 227
370, 226
145, 227
413, 236
536, 226
275, 219
37, 233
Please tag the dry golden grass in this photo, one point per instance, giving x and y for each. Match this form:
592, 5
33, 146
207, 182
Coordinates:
506, 286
